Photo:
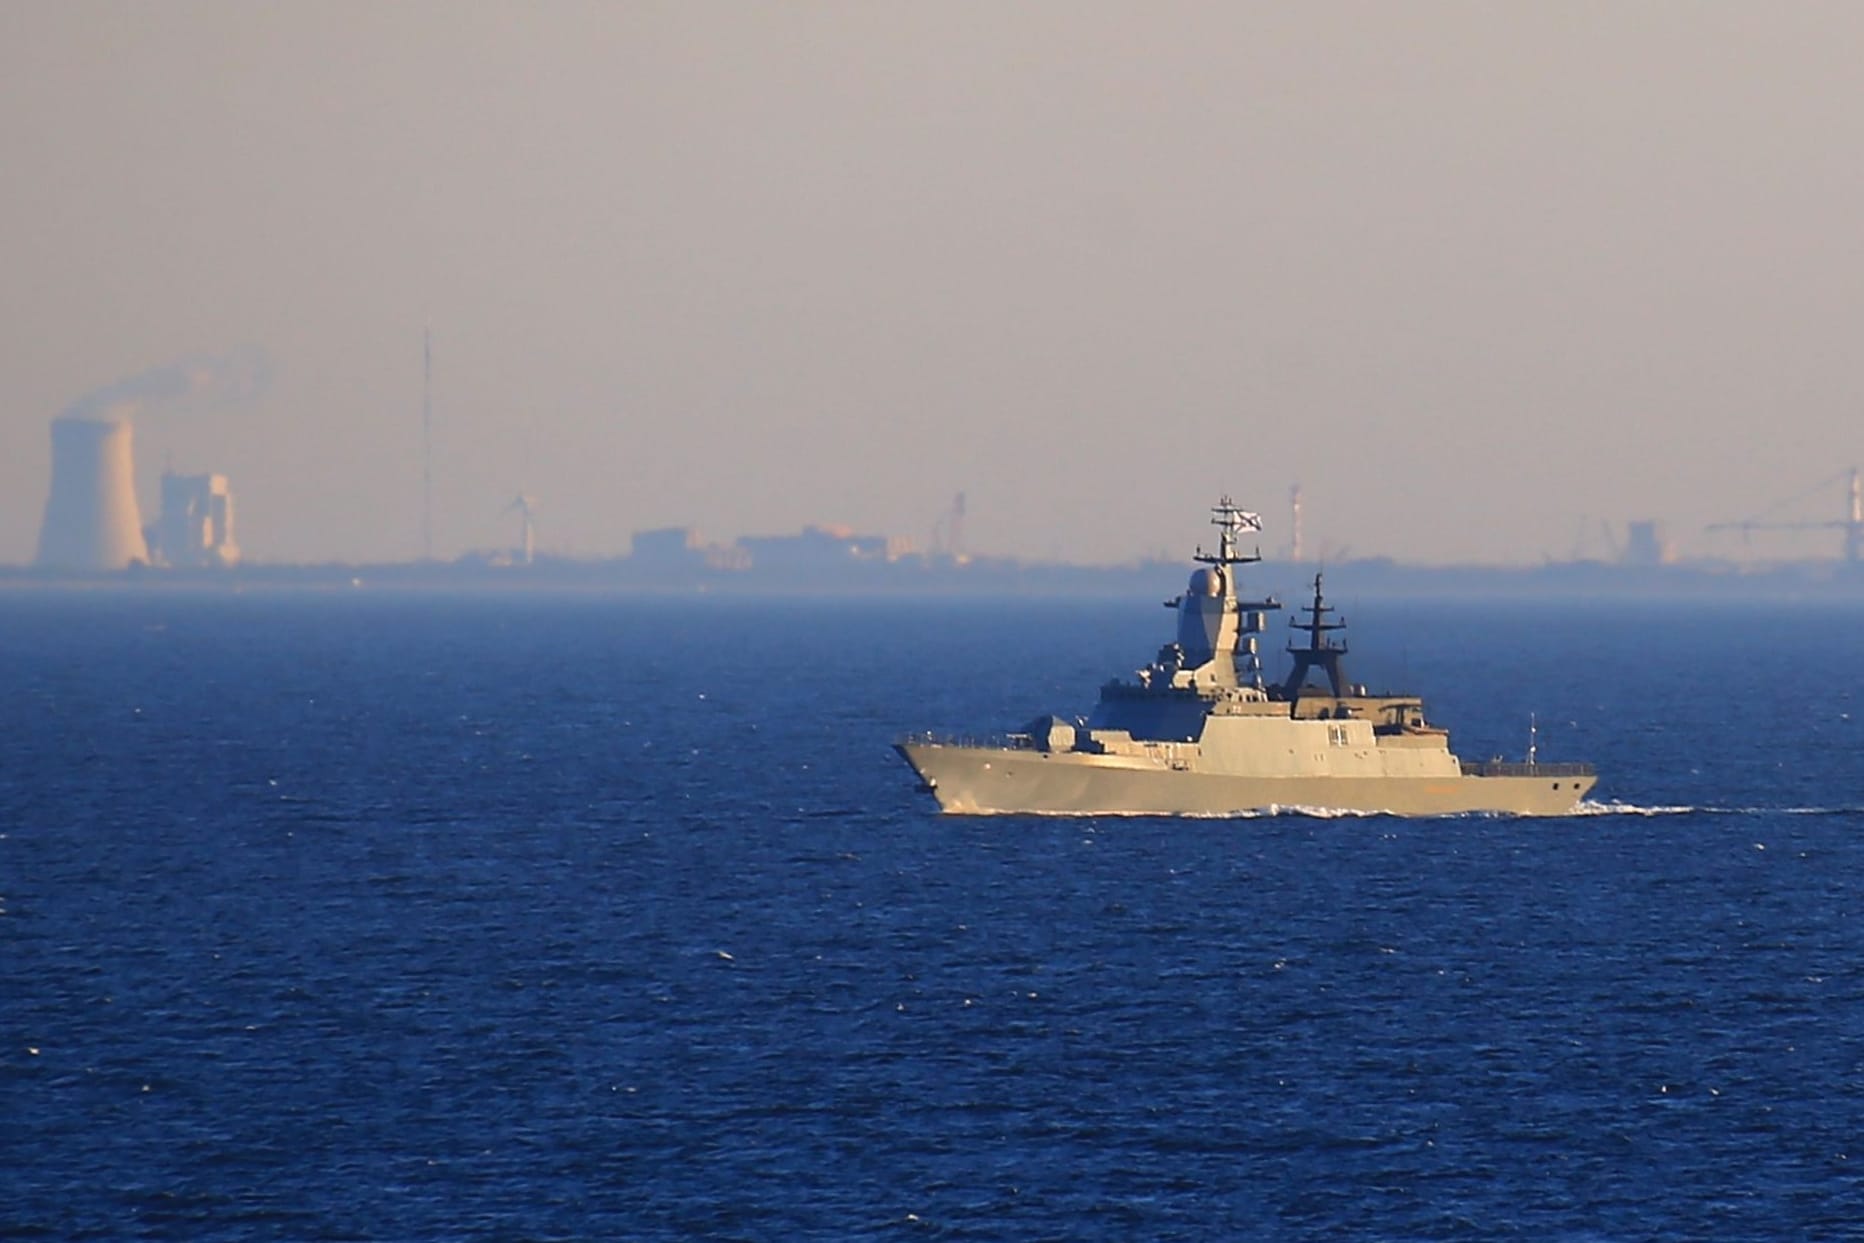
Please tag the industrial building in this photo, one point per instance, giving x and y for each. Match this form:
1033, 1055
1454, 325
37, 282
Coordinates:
1646, 544
195, 529
93, 523
684, 548
822, 546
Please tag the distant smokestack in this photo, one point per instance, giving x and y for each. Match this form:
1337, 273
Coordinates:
1294, 506
91, 519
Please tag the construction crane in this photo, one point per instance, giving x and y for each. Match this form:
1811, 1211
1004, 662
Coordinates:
948, 531
1585, 535
1852, 524
527, 546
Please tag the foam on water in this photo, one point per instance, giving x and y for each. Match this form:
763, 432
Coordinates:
1590, 808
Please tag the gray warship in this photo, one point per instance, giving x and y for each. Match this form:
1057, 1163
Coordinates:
1198, 732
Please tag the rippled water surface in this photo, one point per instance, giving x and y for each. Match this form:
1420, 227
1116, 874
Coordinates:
366, 917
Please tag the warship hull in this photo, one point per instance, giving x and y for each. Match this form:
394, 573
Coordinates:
1198, 732
974, 780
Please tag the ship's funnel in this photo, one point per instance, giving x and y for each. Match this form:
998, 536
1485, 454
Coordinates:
91, 519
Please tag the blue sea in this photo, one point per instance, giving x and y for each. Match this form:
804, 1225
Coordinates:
526, 917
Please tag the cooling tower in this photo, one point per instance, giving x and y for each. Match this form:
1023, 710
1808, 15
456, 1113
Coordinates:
91, 520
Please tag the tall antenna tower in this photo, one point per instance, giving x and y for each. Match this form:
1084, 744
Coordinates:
427, 444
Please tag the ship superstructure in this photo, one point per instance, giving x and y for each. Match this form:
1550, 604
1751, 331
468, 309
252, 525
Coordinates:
1199, 732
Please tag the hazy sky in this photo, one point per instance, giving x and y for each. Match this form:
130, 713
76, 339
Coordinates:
1477, 275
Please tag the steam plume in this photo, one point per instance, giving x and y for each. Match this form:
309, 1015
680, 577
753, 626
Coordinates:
197, 381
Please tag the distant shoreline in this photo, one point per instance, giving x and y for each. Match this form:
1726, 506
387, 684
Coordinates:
980, 578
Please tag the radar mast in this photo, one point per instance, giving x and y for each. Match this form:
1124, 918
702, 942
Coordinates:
1216, 645
1230, 522
1321, 651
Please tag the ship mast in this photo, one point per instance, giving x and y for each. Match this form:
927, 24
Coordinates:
1321, 651
1231, 522
1216, 631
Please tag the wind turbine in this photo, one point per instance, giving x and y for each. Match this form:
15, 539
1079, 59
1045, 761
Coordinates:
523, 505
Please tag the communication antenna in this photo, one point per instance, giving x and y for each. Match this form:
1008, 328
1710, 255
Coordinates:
1533, 738
427, 444
1232, 522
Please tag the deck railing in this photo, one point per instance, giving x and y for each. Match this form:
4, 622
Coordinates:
1503, 768
993, 742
